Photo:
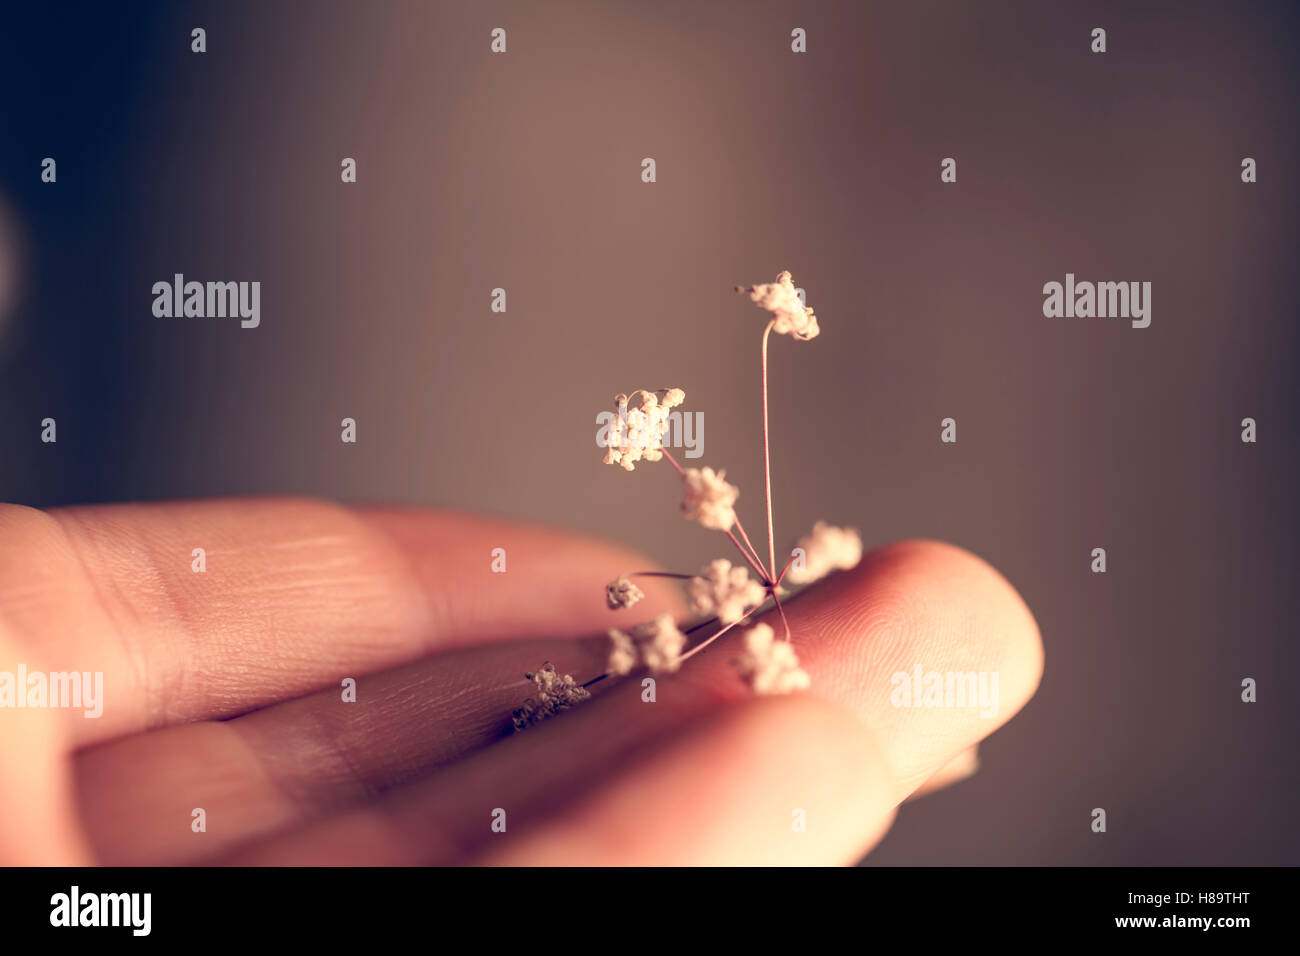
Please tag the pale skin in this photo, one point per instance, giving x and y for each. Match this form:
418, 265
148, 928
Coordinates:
223, 692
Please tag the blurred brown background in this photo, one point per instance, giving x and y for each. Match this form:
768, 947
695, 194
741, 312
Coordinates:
522, 171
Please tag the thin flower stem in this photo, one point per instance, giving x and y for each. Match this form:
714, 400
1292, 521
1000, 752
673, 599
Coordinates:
784, 620
695, 627
766, 575
750, 556
690, 630
767, 454
658, 574
703, 644
745, 554
783, 570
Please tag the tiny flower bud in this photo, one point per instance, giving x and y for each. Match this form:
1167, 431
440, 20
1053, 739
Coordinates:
622, 593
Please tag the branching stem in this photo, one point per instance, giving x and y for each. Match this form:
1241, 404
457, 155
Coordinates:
766, 575
705, 643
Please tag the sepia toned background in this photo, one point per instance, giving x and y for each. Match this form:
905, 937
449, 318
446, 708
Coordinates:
522, 171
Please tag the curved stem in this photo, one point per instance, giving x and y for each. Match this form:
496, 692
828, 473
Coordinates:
767, 455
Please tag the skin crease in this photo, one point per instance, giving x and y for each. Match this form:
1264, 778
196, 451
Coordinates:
222, 691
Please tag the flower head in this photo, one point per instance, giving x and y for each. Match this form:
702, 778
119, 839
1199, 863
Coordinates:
790, 316
622, 593
656, 644
770, 666
709, 499
639, 426
555, 692
725, 591
826, 549
623, 656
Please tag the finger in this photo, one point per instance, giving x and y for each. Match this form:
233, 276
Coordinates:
295, 595
304, 758
917, 602
772, 781
961, 767
929, 609
38, 822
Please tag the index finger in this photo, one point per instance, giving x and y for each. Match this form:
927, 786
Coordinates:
207, 609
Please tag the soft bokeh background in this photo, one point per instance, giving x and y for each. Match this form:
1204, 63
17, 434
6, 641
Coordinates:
523, 171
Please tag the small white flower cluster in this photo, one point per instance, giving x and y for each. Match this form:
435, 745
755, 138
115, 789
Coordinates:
720, 589
791, 316
638, 431
826, 549
725, 591
709, 499
655, 644
555, 692
770, 666
622, 593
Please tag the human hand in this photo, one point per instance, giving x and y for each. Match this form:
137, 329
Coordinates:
221, 692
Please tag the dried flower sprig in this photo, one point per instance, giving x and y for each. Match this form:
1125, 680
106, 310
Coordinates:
727, 593
555, 692
639, 427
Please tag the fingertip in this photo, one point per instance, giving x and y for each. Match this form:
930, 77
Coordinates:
932, 646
